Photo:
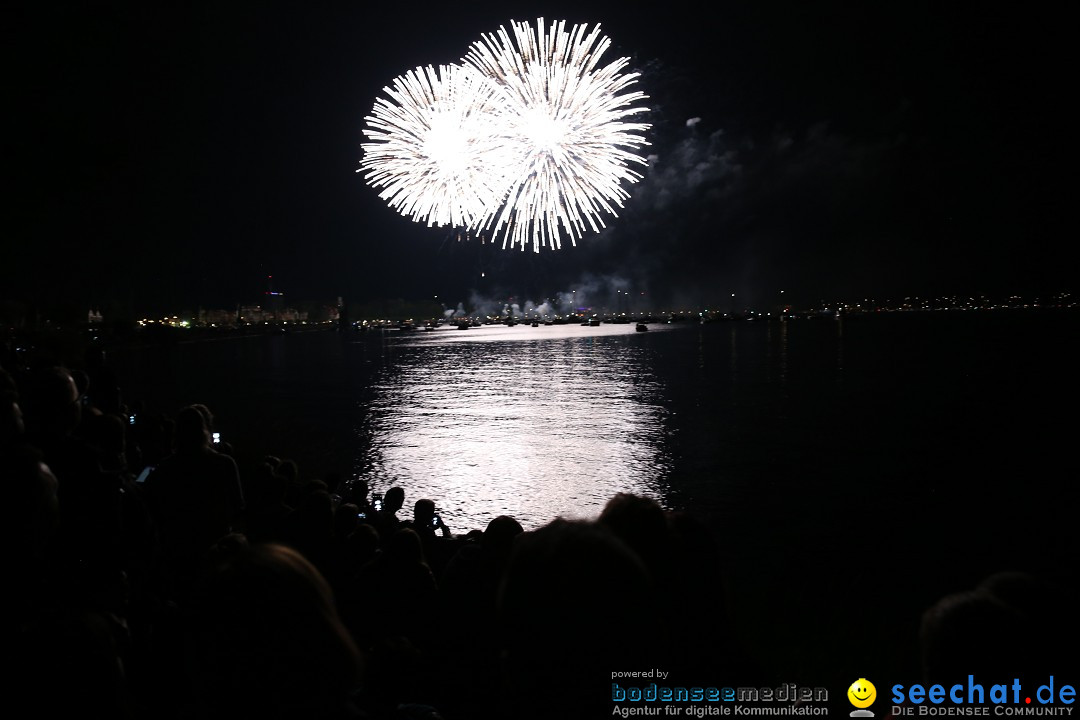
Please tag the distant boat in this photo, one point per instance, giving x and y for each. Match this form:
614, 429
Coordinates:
641, 327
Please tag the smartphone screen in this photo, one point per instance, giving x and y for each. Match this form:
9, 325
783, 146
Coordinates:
144, 474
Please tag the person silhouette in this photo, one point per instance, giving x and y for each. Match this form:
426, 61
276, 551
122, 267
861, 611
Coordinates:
268, 640
194, 497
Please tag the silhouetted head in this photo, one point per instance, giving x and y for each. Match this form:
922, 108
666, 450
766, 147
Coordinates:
1020, 590
333, 481
1049, 612
640, 522
345, 519
268, 487
365, 541
29, 512
358, 491
11, 419
82, 381
572, 603
290, 470
208, 417
404, 547
500, 533
52, 402
269, 639
314, 516
191, 432
394, 499
423, 512
109, 434
226, 548
312, 486
973, 632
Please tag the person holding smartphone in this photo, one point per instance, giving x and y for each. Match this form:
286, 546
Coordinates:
434, 534
426, 520
194, 497
386, 507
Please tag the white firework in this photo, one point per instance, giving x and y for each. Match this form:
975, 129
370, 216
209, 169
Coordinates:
532, 138
434, 153
566, 118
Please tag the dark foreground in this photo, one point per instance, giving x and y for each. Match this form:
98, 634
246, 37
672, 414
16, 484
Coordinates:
213, 589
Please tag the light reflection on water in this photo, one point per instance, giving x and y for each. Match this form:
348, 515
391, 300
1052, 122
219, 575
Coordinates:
529, 422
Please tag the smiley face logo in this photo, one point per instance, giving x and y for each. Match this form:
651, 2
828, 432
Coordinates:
862, 693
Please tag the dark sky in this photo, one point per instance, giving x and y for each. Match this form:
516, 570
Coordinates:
166, 159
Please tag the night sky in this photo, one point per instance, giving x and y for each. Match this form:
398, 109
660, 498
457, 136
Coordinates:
171, 159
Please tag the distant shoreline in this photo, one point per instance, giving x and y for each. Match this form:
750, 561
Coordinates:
68, 345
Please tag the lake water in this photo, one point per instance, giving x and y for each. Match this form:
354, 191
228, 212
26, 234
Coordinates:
529, 422
853, 470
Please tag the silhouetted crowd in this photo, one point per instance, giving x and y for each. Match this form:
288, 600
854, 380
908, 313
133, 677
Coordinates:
193, 591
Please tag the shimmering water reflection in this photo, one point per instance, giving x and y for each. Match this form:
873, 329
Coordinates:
530, 422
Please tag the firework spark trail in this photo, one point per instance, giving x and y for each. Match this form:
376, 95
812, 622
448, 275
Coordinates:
436, 152
530, 137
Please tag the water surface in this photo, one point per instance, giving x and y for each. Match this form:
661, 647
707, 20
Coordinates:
852, 471
523, 421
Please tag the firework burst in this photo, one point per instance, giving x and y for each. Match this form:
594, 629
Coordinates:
435, 155
567, 119
531, 137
